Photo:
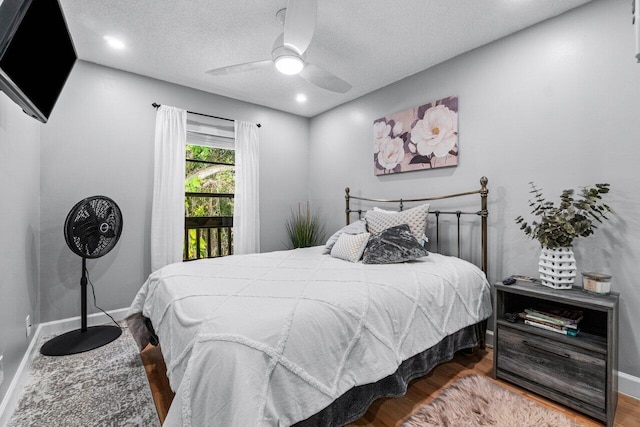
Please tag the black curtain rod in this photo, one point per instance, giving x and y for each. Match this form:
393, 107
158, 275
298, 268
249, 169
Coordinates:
155, 105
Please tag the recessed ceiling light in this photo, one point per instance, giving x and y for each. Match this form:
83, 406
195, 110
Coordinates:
114, 42
301, 97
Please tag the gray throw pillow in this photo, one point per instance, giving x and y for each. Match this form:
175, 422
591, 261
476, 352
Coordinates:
393, 245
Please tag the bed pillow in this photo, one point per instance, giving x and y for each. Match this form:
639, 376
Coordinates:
360, 226
423, 239
377, 209
350, 247
416, 218
393, 245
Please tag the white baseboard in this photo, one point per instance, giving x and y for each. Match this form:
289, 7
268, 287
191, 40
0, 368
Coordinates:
489, 339
627, 384
56, 327
10, 399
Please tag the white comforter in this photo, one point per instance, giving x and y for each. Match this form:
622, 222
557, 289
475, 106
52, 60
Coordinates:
273, 338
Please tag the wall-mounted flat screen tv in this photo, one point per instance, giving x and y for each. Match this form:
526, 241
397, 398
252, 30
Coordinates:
36, 54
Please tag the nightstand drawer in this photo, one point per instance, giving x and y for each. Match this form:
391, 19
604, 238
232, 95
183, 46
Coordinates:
561, 367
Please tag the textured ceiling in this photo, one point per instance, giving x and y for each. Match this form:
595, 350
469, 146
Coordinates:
369, 43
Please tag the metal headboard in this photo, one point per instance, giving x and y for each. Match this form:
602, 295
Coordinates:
483, 213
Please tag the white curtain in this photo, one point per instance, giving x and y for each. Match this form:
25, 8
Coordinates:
246, 215
167, 212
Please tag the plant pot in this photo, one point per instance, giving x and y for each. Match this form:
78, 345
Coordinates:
557, 267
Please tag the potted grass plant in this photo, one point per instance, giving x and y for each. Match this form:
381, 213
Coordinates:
304, 228
556, 227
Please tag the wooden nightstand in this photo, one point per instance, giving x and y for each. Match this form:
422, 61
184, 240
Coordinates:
579, 372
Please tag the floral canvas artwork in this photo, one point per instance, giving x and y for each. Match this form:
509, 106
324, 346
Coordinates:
423, 137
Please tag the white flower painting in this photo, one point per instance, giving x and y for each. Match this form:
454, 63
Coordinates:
423, 137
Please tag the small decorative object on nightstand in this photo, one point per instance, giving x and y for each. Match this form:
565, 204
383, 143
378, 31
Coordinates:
596, 283
559, 225
577, 371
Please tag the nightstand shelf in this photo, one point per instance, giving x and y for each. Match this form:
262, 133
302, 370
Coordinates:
579, 371
584, 340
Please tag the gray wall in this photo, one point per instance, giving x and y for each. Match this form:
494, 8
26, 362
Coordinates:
100, 141
19, 228
557, 104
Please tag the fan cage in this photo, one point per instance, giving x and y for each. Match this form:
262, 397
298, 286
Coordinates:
93, 227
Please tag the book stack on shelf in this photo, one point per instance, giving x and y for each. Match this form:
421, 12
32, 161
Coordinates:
553, 319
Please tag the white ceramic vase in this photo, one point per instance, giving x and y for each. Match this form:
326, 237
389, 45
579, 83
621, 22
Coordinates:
557, 267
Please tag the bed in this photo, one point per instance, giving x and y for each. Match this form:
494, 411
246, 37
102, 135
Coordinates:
303, 338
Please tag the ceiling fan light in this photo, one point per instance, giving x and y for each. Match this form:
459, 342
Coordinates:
289, 64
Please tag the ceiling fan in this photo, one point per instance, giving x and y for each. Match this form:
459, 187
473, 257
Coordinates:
288, 53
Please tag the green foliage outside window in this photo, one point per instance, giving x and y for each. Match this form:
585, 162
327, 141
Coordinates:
216, 178
209, 178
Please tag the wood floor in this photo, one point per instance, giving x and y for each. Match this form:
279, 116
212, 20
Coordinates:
388, 412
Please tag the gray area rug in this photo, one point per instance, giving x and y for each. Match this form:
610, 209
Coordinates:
107, 386
474, 401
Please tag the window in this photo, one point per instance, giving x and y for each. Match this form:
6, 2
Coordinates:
209, 191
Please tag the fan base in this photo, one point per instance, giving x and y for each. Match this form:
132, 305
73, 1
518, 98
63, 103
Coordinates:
78, 341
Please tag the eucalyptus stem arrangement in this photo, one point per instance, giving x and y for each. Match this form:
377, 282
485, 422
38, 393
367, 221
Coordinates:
575, 216
304, 228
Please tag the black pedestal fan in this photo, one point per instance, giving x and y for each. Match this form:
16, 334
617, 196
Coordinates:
91, 230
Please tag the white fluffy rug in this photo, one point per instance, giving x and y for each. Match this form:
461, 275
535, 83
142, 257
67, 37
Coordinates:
107, 386
476, 401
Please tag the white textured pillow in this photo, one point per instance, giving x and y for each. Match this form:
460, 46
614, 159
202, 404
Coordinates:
360, 226
350, 247
415, 218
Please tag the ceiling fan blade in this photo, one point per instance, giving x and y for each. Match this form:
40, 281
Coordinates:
324, 79
300, 24
240, 68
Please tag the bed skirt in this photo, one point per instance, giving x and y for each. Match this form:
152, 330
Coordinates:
354, 403
139, 326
